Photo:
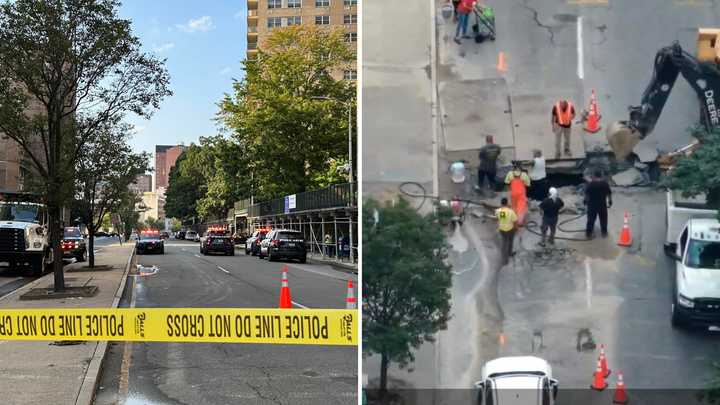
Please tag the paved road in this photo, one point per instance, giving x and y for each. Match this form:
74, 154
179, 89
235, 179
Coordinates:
178, 373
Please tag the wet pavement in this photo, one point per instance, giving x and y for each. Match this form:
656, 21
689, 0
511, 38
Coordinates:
189, 373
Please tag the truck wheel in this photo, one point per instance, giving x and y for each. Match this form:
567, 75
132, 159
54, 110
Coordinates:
81, 257
37, 266
303, 259
676, 320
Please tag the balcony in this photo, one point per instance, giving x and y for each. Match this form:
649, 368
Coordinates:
337, 196
252, 4
252, 46
252, 33
252, 14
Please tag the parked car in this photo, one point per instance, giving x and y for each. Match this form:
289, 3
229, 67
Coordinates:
192, 236
102, 234
74, 244
283, 244
252, 244
150, 242
216, 240
240, 239
180, 235
164, 235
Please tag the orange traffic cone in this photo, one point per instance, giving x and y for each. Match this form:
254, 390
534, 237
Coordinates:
593, 118
350, 300
501, 66
285, 300
620, 394
599, 383
625, 236
603, 362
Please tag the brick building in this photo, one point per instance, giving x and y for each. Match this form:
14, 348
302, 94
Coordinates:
265, 15
165, 158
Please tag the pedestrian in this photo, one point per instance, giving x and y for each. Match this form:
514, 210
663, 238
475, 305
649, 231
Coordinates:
507, 219
327, 244
519, 182
598, 198
538, 177
463, 13
119, 235
488, 163
563, 113
455, 4
550, 207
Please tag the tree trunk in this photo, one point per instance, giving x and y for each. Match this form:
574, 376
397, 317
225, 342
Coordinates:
55, 235
384, 363
91, 247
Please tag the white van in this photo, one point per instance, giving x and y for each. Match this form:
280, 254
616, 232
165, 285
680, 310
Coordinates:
696, 297
523, 380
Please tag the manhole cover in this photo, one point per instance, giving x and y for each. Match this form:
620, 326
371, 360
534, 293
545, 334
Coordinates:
567, 18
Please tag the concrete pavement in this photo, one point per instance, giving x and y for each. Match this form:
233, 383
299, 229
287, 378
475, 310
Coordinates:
40, 372
179, 373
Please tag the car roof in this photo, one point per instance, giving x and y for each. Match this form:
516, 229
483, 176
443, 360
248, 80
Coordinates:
516, 364
705, 229
287, 230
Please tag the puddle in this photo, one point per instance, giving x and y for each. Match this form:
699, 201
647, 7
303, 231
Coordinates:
458, 241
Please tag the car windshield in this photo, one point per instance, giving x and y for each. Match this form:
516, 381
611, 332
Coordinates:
150, 236
290, 235
19, 212
703, 254
72, 233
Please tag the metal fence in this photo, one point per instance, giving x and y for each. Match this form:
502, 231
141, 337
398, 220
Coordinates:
335, 196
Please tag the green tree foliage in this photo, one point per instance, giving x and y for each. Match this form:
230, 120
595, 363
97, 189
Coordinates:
699, 173
712, 394
127, 210
152, 223
175, 225
186, 184
104, 173
67, 67
277, 118
406, 282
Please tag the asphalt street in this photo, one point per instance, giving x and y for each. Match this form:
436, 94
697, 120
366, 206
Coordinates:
187, 373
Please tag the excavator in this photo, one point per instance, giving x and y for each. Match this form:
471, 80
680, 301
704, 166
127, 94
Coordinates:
671, 61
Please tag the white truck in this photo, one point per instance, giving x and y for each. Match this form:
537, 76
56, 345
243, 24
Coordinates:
24, 236
679, 210
521, 380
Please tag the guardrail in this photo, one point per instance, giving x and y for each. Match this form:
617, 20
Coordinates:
336, 196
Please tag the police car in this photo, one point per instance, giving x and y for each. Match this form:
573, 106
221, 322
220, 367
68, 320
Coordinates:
522, 380
696, 299
217, 240
149, 242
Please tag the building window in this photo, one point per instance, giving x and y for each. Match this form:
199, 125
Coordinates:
350, 19
294, 3
274, 22
351, 37
322, 3
350, 2
274, 3
294, 20
322, 20
350, 75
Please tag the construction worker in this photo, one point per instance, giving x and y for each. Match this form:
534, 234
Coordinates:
506, 218
519, 182
563, 113
538, 177
550, 207
598, 198
488, 163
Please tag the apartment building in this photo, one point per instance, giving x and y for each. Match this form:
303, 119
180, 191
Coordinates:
165, 158
266, 15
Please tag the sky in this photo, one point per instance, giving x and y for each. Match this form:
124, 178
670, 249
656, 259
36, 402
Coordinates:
204, 43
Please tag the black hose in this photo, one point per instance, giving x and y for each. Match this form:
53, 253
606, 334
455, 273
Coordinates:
530, 225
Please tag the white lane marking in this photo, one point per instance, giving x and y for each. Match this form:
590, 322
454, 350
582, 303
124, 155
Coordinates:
198, 256
588, 283
581, 66
184, 250
299, 305
223, 270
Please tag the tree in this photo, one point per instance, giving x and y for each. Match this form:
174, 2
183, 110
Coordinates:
128, 213
104, 173
186, 185
406, 282
699, 173
276, 115
712, 393
67, 67
152, 223
176, 225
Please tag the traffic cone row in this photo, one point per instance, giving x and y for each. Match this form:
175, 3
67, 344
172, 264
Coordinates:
592, 123
625, 236
602, 372
286, 300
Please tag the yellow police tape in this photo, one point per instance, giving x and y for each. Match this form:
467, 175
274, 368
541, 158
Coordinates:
212, 325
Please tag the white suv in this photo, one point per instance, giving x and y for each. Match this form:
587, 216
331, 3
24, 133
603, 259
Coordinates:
696, 298
521, 380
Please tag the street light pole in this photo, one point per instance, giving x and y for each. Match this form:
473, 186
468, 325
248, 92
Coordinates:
350, 171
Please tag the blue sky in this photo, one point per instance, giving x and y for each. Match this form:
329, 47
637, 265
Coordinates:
204, 42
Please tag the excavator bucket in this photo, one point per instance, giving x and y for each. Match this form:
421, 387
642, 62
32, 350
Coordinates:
622, 139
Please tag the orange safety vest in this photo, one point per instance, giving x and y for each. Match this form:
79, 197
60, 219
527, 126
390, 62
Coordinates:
564, 118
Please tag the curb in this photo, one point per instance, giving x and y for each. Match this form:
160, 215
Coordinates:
86, 394
337, 266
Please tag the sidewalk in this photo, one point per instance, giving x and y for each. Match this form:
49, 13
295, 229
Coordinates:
41, 372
